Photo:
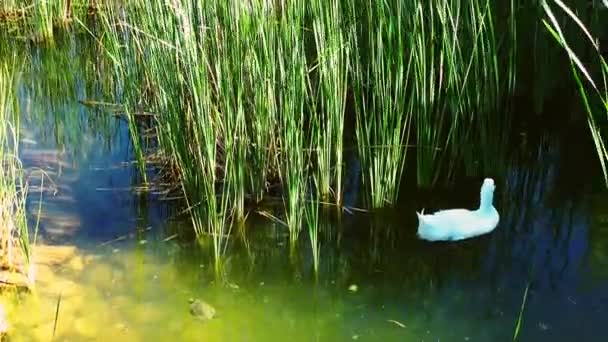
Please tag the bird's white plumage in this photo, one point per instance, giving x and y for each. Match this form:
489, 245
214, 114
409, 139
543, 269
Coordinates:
460, 224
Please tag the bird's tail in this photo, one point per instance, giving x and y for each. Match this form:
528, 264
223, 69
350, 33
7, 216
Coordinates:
420, 214
420, 222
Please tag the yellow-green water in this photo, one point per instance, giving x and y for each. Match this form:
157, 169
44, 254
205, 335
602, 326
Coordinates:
133, 296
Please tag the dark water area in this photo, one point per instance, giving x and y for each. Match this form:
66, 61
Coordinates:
377, 281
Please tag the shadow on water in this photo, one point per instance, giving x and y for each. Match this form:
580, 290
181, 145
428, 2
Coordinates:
376, 280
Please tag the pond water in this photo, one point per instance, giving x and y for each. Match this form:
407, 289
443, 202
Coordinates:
110, 266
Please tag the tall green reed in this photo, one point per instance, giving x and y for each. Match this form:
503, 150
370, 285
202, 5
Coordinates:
485, 142
38, 16
43, 21
171, 42
592, 84
245, 93
262, 75
383, 107
15, 242
210, 68
457, 82
41, 16
293, 74
333, 33
230, 33
312, 223
521, 313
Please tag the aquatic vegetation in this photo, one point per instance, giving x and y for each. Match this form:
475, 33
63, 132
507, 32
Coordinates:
457, 82
414, 78
521, 313
383, 109
440, 85
15, 241
39, 18
591, 80
293, 71
333, 33
250, 100
173, 133
250, 105
262, 67
311, 212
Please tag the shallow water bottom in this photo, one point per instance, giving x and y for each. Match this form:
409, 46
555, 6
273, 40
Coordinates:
131, 295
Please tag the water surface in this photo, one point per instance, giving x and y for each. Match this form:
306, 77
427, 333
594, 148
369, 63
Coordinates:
112, 261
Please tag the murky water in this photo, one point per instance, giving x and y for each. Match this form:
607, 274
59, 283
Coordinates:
110, 267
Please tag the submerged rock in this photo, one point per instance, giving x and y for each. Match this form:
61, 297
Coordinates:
201, 309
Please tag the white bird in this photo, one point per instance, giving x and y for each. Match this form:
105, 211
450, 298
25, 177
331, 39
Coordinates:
460, 224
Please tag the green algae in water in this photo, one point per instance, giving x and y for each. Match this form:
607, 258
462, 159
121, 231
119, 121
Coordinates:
132, 295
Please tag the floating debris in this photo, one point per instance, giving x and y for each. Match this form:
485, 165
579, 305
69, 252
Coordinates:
397, 323
543, 326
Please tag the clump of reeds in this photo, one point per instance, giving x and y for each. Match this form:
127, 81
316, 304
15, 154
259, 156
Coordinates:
193, 73
384, 107
333, 34
432, 69
38, 19
262, 63
293, 71
36, 16
15, 250
457, 82
250, 98
591, 80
